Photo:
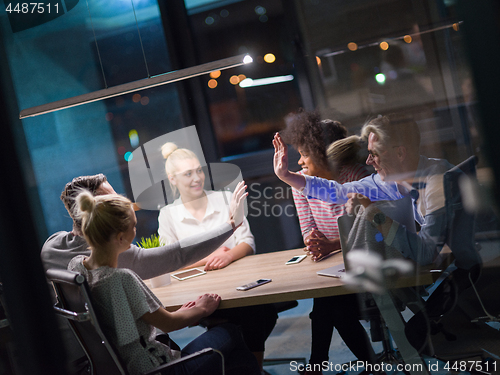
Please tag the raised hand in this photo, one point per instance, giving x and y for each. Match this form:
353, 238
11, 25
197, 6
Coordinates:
280, 162
280, 157
237, 205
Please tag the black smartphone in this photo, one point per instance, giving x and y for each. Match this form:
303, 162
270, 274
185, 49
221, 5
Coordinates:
254, 284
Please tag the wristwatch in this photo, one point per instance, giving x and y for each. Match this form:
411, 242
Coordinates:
378, 219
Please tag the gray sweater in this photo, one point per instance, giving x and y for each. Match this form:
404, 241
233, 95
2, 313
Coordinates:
61, 247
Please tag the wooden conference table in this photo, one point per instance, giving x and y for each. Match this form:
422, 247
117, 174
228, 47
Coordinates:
291, 282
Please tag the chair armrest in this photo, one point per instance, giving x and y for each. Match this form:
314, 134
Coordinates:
165, 367
68, 314
68, 277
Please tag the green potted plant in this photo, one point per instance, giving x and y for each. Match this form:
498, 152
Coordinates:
148, 243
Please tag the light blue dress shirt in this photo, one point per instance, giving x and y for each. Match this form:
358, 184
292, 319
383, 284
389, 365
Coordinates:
427, 195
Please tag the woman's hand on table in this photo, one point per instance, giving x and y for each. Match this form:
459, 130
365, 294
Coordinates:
187, 305
319, 246
208, 303
220, 258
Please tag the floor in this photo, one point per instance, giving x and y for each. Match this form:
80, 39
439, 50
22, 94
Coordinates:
291, 338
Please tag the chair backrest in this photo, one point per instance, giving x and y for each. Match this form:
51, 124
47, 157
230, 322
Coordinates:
75, 304
460, 223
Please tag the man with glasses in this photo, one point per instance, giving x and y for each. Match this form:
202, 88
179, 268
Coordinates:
393, 147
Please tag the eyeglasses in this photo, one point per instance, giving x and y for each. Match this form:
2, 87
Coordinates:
373, 155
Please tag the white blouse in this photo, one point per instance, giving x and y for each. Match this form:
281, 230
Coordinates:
176, 222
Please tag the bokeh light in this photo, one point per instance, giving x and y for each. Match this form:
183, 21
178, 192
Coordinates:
352, 46
269, 58
136, 98
128, 156
384, 46
247, 59
260, 10
215, 74
134, 138
407, 38
380, 78
144, 100
234, 80
212, 83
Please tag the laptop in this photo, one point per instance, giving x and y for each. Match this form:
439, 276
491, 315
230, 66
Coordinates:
345, 223
399, 210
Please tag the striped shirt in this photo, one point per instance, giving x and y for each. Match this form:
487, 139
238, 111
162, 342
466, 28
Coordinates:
314, 213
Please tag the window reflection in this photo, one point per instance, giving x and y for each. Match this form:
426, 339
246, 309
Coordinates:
245, 118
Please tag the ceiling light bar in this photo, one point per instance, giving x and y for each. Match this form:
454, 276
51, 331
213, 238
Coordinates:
142, 84
249, 82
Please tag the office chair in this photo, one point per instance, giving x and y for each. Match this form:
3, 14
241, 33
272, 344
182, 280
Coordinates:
75, 304
453, 336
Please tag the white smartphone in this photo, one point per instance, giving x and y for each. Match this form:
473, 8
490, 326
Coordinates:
187, 274
254, 284
296, 259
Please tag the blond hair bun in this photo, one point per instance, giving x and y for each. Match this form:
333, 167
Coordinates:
167, 149
86, 201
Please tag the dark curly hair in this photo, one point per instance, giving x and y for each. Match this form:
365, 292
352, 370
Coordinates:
305, 130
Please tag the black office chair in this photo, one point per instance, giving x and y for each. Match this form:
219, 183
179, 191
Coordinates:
453, 336
75, 304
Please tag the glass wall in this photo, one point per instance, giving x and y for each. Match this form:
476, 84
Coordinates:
352, 61
378, 57
89, 47
246, 114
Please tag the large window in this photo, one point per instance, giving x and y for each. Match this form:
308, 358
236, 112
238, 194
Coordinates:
245, 115
90, 47
377, 57
351, 60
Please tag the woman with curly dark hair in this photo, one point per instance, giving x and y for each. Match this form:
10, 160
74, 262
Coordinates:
311, 137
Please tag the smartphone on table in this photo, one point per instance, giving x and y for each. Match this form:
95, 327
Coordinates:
254, 284
296, 259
